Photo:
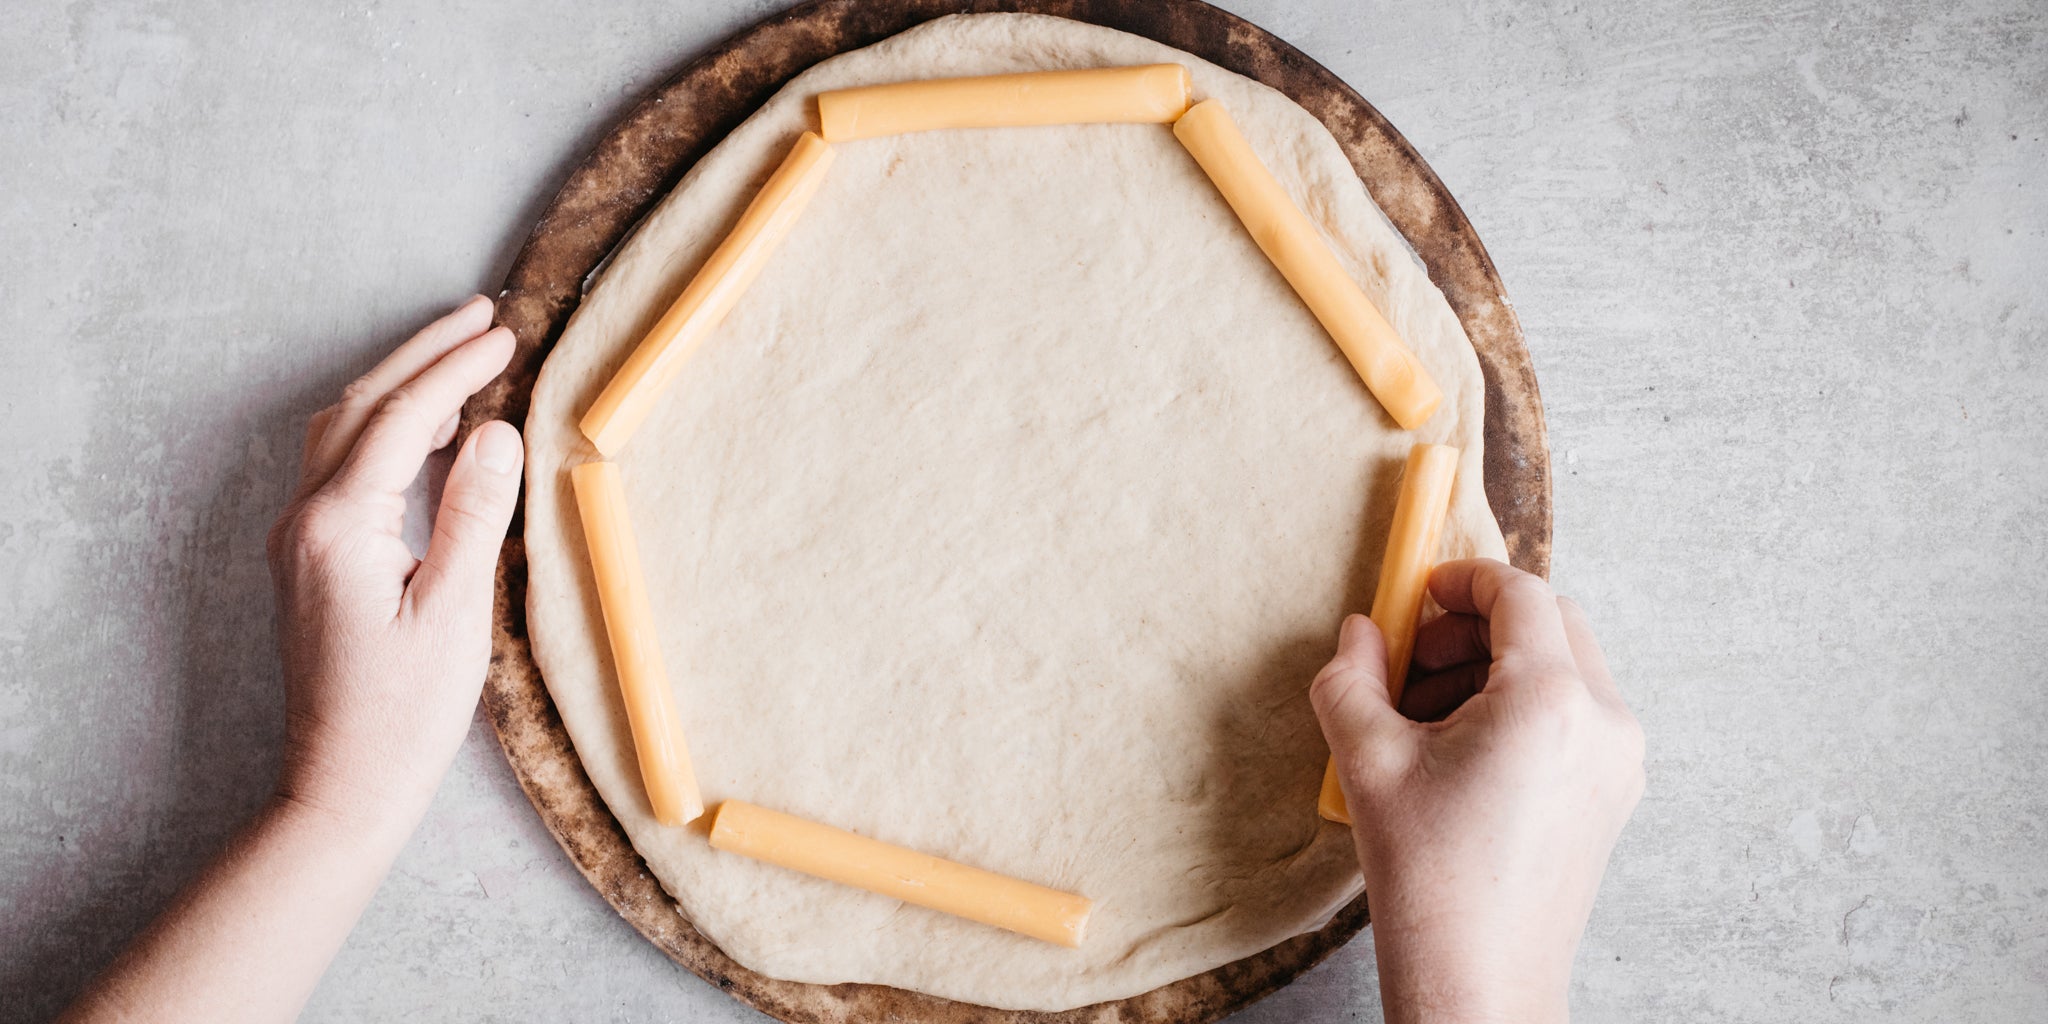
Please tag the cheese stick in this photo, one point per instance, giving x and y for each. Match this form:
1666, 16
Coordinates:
626, 401
1404, 579
636, 651
1297, 249
849, 859
1152, 93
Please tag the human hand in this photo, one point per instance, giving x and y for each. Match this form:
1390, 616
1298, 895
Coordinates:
1482, 836
384, 654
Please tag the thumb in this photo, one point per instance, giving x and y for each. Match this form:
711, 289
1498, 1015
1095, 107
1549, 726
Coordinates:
1350, 697
476, 507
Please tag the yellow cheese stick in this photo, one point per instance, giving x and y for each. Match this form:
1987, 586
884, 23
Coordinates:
1404, 579
1152, 94
626, 401
636, 651
907, 875
1285, 234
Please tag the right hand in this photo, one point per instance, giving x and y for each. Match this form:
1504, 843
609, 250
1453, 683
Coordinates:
1482, 836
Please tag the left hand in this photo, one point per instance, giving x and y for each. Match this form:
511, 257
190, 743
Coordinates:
384, 654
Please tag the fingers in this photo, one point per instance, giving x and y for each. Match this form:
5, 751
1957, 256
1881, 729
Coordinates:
476, 507
1350, 694
1520, 610
1451, 639
346, 419
1578, 631
1432, 697
400, 434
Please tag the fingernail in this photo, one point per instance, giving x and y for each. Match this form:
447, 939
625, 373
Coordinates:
473, 300
497, 447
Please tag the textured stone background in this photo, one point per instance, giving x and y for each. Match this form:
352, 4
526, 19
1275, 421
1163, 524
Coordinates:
1780, 266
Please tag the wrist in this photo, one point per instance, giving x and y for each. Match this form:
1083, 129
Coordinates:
1447, 959
1419, 985
352, 807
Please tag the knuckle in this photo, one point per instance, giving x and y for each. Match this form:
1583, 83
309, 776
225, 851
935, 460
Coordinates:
1385, 758
1546, 673
305, 530
1494, 572
1574, 712
358, 393
1477, 634
464, 516
1563, 715
1334, 682
1522, 586
313, 531
402, 401
1326, 688
317, 423
1369, 766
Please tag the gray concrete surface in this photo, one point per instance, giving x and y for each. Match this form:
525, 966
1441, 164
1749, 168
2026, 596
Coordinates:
1780, 266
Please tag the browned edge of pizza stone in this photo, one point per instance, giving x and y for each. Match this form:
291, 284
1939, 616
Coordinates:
644, 155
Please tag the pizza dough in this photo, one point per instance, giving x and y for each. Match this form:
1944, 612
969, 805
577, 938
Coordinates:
1007, 518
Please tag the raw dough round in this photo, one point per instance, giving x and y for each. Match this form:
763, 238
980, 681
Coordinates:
1007, 518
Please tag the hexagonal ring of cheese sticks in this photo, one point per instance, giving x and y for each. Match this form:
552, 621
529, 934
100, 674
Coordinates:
1155, 94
